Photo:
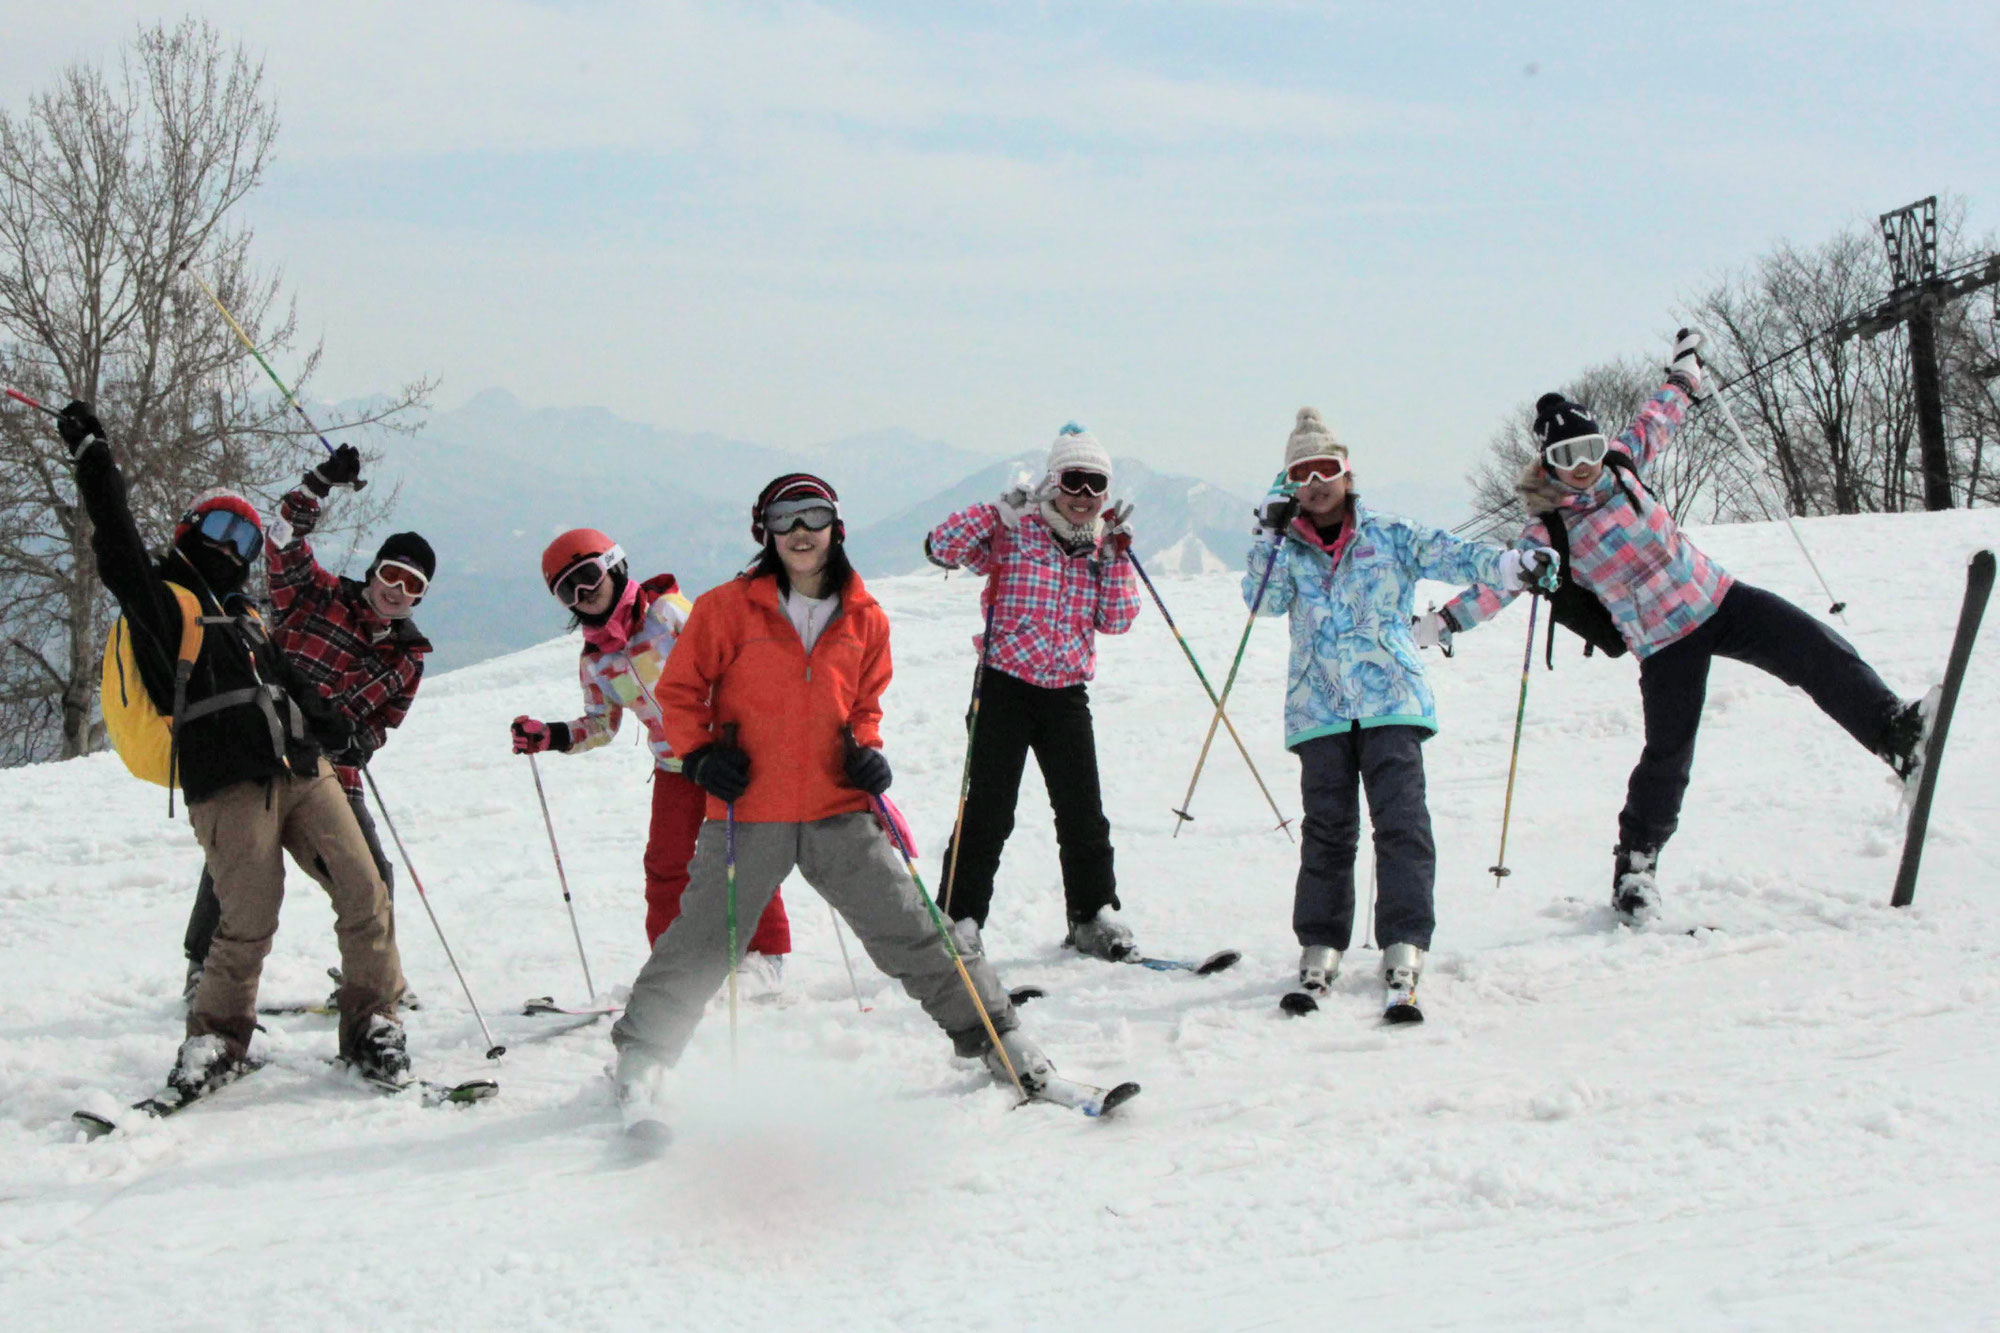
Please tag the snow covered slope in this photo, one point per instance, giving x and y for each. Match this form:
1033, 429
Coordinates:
1793, 1121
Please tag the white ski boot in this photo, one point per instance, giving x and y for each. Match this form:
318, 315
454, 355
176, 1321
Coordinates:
642, 1102
760, 978
1402, 965
1635, 887
1033, 1068
1319, 964
1102, 936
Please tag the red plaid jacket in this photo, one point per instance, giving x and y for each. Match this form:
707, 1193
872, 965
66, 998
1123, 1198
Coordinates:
367, 667
1048, 606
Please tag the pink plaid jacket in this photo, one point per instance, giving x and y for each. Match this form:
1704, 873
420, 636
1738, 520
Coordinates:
1658, 587
1048, 607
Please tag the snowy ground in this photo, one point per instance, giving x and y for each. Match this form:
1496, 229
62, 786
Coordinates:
1789, 1122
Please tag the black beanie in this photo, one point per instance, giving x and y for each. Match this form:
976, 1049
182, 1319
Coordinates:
1558, 419
407, 548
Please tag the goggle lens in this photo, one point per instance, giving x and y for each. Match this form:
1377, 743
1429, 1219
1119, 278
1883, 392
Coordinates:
581, 580
1308, 470
232, 530
1566, 454
815, 519
1082, 481
411, 581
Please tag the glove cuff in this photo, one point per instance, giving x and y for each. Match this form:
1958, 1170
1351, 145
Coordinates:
1450, 621
1684, 382
559, 737
317, 484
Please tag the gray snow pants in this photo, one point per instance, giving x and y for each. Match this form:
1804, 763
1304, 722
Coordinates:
1389, 762
850, 861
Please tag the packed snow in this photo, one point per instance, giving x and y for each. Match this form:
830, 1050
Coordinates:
1789, 1120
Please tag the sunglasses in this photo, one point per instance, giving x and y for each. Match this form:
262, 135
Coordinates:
399, 575
582, 578
814, 517
1575, 452
1308, 470
233, 532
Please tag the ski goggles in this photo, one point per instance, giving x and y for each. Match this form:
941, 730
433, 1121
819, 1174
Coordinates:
232, 531
583, 577
1082, 481
1308, 470
1576, 451
781, 516
409, 578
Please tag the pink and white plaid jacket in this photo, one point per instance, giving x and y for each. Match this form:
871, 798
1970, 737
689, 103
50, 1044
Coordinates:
1658, 587
1048, 606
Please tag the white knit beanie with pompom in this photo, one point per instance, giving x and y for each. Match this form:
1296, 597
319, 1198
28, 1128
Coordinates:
1076, 447
1311, 439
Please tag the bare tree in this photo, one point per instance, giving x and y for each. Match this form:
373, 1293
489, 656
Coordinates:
109, 188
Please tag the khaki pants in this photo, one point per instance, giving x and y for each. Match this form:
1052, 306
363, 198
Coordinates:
245, 829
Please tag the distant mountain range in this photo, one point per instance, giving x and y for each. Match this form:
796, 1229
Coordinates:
489, 483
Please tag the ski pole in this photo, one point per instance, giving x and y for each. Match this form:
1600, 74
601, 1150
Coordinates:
729, 809
493, 1049
1499, 867
1228, 684
950, 944
20, 397
971, 735
1166, 615
1836, 607
561, 878
251, 348
840, 937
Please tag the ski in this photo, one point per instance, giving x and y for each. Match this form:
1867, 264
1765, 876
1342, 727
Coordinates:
1396, 1015
437, 1094
1020, 995
1092, 1101
546, 1004
1298, 1004
286, 1010
1978, 587
1220, 961
167, 1102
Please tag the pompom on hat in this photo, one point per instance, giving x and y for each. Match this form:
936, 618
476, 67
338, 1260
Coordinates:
1310, 439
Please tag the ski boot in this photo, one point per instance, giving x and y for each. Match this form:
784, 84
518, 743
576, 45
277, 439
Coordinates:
202, 1065
1102, 936
1033, 1068
1635, 888
379, 1054
1402, 964
1901, 745
760, 977
1319, 964
642, 1101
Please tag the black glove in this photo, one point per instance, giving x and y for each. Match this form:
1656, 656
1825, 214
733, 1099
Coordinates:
78, 426
1275, 515
341, 468
360, 749
866, 768
720, 769
328, 726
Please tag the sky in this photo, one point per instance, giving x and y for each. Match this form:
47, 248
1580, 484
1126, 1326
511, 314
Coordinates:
1176, 223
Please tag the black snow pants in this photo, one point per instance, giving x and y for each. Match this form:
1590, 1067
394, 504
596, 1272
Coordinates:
1767, 632
1389, 763
1014, 718
207, 913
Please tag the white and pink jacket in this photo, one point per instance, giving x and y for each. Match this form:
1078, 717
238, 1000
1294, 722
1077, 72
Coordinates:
622, 660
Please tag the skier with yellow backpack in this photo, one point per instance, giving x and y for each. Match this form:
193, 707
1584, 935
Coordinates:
197, 697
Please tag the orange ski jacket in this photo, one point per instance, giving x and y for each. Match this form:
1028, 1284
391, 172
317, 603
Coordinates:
740, 661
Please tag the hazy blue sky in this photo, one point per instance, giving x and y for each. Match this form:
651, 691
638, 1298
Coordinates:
1175, 222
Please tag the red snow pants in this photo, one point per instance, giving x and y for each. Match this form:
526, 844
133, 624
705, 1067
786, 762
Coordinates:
679, 807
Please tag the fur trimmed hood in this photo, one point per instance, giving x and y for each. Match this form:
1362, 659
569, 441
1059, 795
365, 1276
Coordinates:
1540, 493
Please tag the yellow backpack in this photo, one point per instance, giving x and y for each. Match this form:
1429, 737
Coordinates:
143, 738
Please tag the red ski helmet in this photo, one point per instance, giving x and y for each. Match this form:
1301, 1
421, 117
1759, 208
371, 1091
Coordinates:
574, 545
795, 486
208, 502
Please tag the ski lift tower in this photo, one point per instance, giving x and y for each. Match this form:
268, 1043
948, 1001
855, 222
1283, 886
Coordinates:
1919, 293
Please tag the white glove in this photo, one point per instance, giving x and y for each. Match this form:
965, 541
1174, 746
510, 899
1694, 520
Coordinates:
1018, 500
1685, 365
1433, 629
1275, 515
1536, 568
1117, 538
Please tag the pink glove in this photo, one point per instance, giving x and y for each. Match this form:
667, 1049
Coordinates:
530, 736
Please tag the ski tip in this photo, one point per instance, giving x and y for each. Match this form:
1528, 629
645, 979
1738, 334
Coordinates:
1220, 961
1117, 1097
472, 1090
649, 1137
1297, 1003
1022, 994
1399, 1015
94, 1126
